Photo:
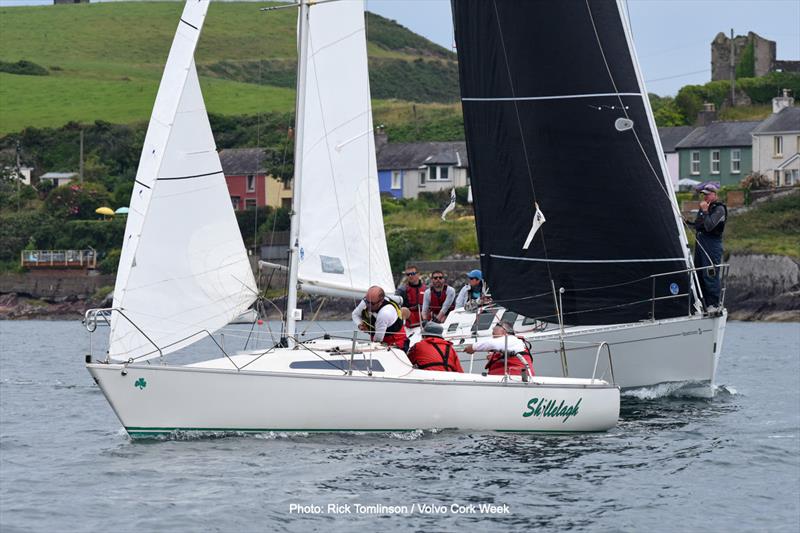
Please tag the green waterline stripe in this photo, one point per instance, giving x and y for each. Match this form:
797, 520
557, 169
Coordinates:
152, 431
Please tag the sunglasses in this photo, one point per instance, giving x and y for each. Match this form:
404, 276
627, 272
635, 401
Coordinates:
474, 278
410, 273
437, 277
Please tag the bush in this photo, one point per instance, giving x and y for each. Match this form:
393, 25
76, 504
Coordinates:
109, 265
76, 200
23, 67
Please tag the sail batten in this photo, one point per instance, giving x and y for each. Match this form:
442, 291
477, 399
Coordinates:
555, 115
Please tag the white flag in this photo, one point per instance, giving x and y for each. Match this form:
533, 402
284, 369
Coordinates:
452, 204
538, 220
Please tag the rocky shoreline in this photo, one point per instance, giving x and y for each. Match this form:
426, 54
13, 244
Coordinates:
759, 288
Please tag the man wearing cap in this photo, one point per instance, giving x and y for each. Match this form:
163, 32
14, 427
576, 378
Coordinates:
412, 294
504, 342
439, 298
433, 352
709, 225
473, 292
382, 318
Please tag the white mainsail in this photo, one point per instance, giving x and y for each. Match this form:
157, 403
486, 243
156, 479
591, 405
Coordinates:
342, 244
183, 269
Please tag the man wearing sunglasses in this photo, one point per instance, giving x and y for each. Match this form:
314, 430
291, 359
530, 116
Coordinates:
439, 298
381, 318
412, 294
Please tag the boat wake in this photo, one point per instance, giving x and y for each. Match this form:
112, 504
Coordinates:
183, 435
679, 390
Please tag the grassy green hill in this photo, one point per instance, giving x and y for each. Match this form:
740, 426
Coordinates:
104, 61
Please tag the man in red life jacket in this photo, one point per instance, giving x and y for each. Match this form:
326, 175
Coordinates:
433, 352
381, 318
439, 299
412, 293
503, 341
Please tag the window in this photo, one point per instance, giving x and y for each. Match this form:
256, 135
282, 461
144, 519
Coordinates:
798, 143
715, 161
776, 178
777, 144
249, 203
287, 185
423, 176
397, 182
439, 174
792, 176
251, 183
695, 162
235, 202
736, 161
286, 203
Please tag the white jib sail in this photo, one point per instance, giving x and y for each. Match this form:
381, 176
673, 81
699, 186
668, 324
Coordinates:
184, 269
342, 244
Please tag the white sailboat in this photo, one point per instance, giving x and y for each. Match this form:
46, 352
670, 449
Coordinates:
181, 280
557, 117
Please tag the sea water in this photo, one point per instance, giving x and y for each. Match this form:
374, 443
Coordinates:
672, 463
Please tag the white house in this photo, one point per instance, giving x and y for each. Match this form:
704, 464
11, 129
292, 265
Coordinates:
670, 137
407, 169
58, 178
776, 143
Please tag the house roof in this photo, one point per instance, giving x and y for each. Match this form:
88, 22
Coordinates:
785, 120
415, 155
239, 161
58, 175
720, 134
673, 135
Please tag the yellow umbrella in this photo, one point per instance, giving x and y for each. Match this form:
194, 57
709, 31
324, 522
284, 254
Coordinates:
104, 211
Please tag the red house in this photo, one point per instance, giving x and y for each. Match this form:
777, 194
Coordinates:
245, 176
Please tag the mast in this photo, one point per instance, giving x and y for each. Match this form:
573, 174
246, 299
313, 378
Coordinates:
294, 251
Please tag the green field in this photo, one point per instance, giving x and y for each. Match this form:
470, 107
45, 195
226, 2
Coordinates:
105, 61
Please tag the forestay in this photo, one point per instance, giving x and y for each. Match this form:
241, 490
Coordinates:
342, 245
556, 114
183, 267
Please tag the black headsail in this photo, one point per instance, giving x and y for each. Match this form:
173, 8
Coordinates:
555, 115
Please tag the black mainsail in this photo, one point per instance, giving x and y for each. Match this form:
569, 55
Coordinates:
555, 114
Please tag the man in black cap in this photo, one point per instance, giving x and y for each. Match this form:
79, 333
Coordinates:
709, 225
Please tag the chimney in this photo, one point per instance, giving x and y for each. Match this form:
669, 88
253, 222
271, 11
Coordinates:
381, 138
707, 115
781, 102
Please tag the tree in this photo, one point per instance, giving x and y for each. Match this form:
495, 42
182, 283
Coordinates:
76, 200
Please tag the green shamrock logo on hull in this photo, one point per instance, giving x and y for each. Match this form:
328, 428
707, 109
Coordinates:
140, 384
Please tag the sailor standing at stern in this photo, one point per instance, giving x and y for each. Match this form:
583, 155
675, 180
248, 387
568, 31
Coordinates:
709, 225
381, 318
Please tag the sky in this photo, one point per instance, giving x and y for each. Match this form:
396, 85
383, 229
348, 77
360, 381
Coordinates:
672, 37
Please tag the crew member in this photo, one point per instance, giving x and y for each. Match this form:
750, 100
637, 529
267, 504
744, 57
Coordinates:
474, 292
381, 318
412, 294
709, 225
433, 352
439, 298
504, 342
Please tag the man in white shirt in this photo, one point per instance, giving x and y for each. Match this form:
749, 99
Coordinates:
381, 318
503, 341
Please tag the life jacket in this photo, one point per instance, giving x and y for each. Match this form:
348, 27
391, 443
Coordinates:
719, 228
437, 301
412, 297
395, 333
433, 353
495, 364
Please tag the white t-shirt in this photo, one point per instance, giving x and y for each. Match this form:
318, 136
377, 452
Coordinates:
385, 317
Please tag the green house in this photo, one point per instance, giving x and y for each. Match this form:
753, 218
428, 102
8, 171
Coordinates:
721, 151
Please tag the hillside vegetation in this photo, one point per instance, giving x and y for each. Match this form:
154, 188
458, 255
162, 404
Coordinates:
90, 62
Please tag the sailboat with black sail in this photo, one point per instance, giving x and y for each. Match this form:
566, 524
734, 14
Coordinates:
181, 279
558, 122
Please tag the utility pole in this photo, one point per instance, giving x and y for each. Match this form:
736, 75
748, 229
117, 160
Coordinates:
81, 161
733, 73
19, 178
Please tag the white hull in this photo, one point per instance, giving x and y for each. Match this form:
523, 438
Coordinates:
208, 397
682, 350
